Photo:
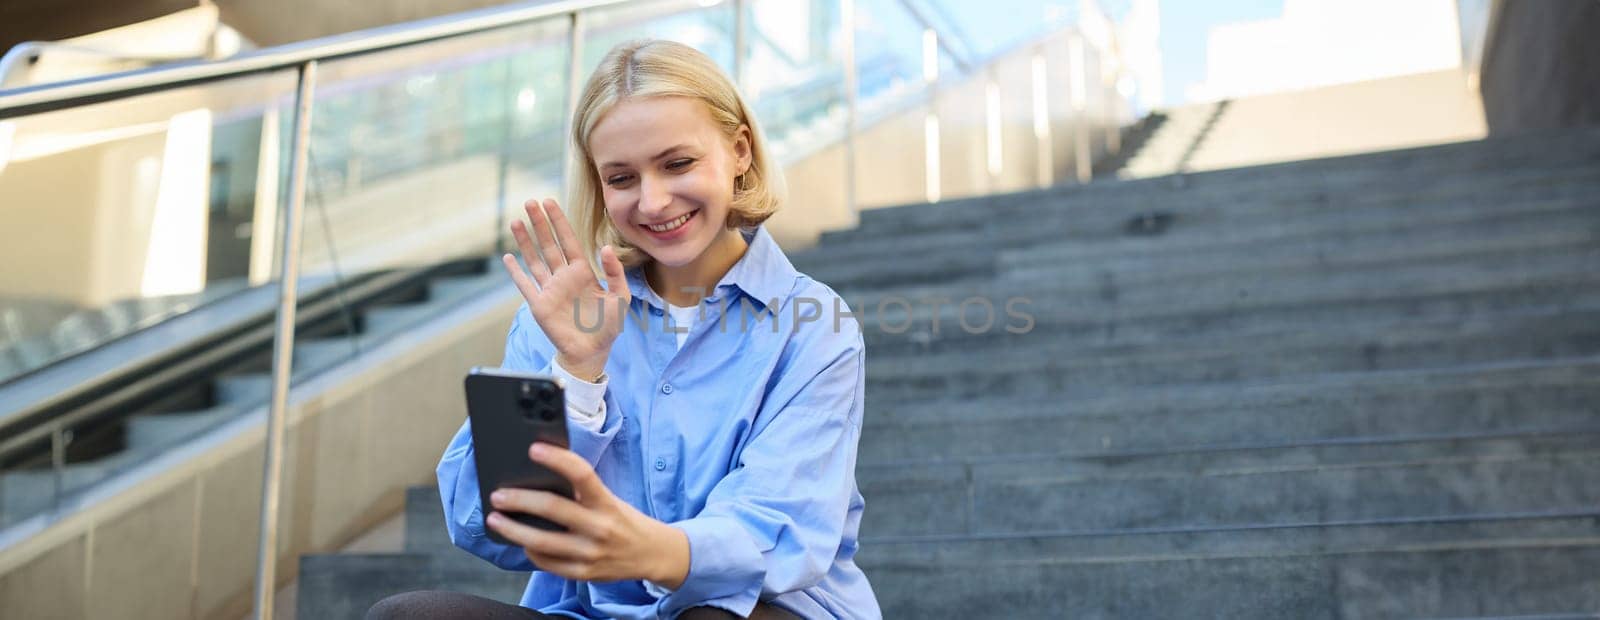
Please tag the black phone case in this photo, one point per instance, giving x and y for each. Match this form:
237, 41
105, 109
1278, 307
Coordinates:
510, 411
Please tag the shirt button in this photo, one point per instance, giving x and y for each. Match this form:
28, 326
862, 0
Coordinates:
666, 388
661, 464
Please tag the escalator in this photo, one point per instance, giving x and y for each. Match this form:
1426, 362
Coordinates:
96, 428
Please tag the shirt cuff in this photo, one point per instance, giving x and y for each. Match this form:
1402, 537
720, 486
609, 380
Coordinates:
656, 590
725, 568
586, 401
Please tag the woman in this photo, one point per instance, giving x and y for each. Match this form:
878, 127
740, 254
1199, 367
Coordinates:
713, 423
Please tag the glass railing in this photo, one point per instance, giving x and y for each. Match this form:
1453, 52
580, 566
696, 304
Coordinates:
132, 209
1472, 19
119, 216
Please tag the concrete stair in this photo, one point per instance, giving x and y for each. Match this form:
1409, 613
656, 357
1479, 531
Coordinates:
345, 585
1365, 386
1355, 387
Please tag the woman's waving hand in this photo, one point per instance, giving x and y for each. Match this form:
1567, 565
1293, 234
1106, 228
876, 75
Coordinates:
581, 318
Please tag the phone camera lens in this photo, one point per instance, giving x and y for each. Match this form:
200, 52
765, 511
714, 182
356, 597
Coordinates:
526, 403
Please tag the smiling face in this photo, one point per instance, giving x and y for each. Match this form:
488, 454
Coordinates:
667, 173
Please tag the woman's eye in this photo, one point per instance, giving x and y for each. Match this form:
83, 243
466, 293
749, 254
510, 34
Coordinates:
679, 164
617, 180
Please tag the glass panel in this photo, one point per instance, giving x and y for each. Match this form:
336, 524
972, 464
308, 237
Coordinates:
537, 145
795, 83
706, 28
794, 74
1473, 18
889, 71
128, 214
417, 156
986, 29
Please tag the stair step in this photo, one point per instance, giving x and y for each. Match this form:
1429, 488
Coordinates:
1306, 292
346, 585
243, 390
26, 492
384, 322
1061, 213
1042, 369
1482, 391
1245, 323
453, 289
313, 355
1488, 578
1223, 542
1346, 239
425, 524
150, 433
961, 499
991, 428
1437, 166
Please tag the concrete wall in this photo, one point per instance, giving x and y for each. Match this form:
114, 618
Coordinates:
891, 167
1391, 113
1541, 68
182, 544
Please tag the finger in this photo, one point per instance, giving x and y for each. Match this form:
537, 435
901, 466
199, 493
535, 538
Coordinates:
575, 570
547, 241
590, 490
616, 281
570, 247
545, 504
542, 542
520, 278
536, 266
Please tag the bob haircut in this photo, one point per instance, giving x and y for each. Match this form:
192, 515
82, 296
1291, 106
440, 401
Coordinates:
657, 68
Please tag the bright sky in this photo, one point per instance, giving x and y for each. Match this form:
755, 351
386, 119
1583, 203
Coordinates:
1184, 26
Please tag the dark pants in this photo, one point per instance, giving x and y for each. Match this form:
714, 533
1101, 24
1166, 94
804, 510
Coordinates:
430, 604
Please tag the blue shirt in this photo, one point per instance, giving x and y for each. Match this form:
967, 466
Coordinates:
744, 439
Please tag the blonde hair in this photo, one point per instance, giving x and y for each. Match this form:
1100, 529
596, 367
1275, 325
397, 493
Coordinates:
656, 68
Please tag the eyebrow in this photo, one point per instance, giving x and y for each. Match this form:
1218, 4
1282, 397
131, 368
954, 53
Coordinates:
669, 151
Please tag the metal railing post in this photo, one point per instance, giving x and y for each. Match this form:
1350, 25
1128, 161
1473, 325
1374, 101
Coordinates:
58, 465
1081, 125
740, 33
1044, 143
283, 345
574, 90
930, 120
847, 23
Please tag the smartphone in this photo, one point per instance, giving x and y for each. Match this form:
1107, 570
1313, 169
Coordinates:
509, 411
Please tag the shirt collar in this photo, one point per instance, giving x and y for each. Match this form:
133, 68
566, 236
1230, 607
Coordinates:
764, 274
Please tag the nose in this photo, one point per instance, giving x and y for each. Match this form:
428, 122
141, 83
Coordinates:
653, 196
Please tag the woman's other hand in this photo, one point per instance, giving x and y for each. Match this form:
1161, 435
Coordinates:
579, 317
606, 539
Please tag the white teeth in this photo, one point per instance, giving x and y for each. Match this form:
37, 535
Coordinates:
672, 224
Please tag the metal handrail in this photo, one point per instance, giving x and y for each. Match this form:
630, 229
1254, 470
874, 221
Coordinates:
29, 51
73, 93
960, 59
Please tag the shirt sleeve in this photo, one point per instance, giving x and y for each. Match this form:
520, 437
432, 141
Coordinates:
775, 523
586, 401
527, 349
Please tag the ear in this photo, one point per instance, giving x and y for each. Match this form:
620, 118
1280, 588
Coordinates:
742, 149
